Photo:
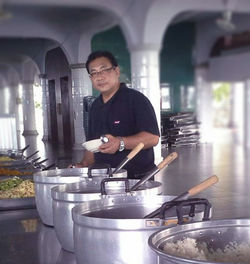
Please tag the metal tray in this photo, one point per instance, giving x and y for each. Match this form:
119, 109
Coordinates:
17, 203
23, 177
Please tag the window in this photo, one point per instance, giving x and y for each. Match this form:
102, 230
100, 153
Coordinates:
187, 97
165, 97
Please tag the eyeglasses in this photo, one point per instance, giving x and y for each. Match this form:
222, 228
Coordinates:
103, 72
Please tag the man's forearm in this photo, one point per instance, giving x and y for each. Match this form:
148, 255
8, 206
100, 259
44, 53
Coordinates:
88, 159
149, 140
112, 146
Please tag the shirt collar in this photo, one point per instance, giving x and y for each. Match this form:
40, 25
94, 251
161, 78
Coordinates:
121, 87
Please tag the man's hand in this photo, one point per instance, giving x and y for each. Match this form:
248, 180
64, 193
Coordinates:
111, 146
87, 160
77, 165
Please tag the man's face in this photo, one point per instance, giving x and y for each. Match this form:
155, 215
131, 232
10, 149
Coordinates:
104, 77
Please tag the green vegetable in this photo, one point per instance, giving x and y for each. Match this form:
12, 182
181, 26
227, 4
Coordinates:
9, 183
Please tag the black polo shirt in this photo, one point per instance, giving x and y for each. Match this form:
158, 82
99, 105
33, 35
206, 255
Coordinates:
127, 113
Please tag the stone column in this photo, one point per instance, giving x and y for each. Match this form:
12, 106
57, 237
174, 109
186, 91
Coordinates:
29, 122
13, 105
204, 102
12, 99
145, 78
81, 86
18, 104
247, 115
45, 107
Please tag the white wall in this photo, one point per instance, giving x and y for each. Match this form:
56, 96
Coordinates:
230, 68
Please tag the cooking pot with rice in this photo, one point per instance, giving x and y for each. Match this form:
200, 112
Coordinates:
211, 242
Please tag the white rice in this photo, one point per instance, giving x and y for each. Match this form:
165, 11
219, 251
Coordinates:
190, 249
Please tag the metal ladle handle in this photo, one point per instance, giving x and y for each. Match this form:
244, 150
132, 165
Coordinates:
130, 156
149, 175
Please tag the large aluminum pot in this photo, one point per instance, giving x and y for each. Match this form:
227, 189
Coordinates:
114, 230
232, 235
44, 181
65, 197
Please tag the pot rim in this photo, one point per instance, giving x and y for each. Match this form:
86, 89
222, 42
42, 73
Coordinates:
79, 211
70, 175
153, 240
68, 192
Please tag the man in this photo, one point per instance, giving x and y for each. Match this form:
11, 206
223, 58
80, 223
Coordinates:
124, 115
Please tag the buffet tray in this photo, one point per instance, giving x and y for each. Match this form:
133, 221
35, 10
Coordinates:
23, 177
17, 203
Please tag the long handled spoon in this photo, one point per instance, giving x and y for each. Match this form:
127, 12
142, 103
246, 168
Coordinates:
191, 192
131, 154
164, 163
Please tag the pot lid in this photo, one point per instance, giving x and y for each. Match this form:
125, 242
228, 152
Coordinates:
71, 175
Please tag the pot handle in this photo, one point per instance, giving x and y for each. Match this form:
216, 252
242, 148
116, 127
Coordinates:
106, 180
193, 191
179, 205
99, 166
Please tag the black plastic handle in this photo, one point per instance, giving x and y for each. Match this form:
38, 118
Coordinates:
42, 161
100, 166
192, 203
106, 180
22, 150
33, 154
35, 160
48, 167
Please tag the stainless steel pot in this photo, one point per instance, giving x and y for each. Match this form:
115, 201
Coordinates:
44, 181
114, 230
65, 197
216, 234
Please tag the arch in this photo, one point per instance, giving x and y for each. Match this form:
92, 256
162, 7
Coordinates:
64, 25
10, 73
162, 12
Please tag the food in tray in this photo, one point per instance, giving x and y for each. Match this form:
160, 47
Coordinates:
16, 188
192, 249
9, 184
13, 172
5, 158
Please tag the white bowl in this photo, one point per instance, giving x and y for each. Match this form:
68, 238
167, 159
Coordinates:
92, 145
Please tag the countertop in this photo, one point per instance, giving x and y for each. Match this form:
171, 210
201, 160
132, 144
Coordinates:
24, 239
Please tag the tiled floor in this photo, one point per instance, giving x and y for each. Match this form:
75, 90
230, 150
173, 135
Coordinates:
230, 196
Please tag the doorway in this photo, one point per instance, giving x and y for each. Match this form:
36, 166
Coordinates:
53, 112
228, 112
67, 139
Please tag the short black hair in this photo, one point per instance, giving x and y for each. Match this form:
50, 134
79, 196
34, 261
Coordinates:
101, 53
